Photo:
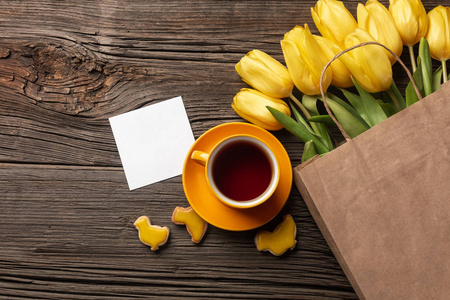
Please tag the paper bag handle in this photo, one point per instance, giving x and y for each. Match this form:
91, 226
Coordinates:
346, 136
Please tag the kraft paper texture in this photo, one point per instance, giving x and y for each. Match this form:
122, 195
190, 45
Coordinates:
382, 202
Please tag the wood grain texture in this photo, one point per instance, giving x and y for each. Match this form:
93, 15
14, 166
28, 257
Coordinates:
68, 232
66, 213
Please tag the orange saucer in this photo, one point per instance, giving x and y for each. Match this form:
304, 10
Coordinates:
211, 209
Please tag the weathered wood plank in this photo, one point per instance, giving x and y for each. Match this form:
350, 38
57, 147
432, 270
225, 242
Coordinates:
66, 212
62, 74
68, 231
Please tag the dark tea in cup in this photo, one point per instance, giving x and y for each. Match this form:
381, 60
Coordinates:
241, 170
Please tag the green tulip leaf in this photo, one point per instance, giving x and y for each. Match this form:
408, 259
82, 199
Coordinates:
348, 107
351, 124
366, 105
388, 108
325, 119
324, 138
410, 92
310, 103
316, 128
300, 118
398, 95
297, 129
356, 103
425, 60
309, 151
437, 79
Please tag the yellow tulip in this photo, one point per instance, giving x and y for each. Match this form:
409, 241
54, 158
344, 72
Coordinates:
251, 105
410, 18
369, 65
341, 74
265, 74
333, 20
376, 19
438, 35
305, 60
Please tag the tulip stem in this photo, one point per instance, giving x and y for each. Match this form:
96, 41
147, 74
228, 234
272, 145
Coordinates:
394, 99
300, 105
306, 113
411, 55
444, 70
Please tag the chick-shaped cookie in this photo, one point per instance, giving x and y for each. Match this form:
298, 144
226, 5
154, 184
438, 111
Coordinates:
151, 235
195, 225
280, 240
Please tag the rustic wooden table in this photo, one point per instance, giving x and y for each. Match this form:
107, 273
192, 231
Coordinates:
66, 213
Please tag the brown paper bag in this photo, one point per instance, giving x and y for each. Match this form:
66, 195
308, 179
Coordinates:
382, 202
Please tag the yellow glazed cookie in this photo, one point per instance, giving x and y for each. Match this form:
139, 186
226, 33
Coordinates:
195, 225
280, 240
151, 235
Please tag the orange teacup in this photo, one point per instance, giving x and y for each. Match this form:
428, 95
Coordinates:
241, 170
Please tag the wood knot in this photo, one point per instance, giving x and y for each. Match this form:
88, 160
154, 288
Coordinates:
64, 66
65, 77
4, 52
68, 79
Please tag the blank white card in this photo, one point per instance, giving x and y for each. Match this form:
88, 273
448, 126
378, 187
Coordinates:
153, 141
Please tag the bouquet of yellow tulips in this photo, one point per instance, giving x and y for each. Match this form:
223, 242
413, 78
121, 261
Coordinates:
368, 69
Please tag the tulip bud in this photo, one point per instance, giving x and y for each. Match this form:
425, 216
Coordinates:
305, 60
341, 75
438, 35
410, 18
369, 65
251, 105
265, 74
376, 19
333, 20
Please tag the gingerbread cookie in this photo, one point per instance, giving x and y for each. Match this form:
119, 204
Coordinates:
195, 225
151, 235
280, 240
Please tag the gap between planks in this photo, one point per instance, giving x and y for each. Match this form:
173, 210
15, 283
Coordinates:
58, 166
